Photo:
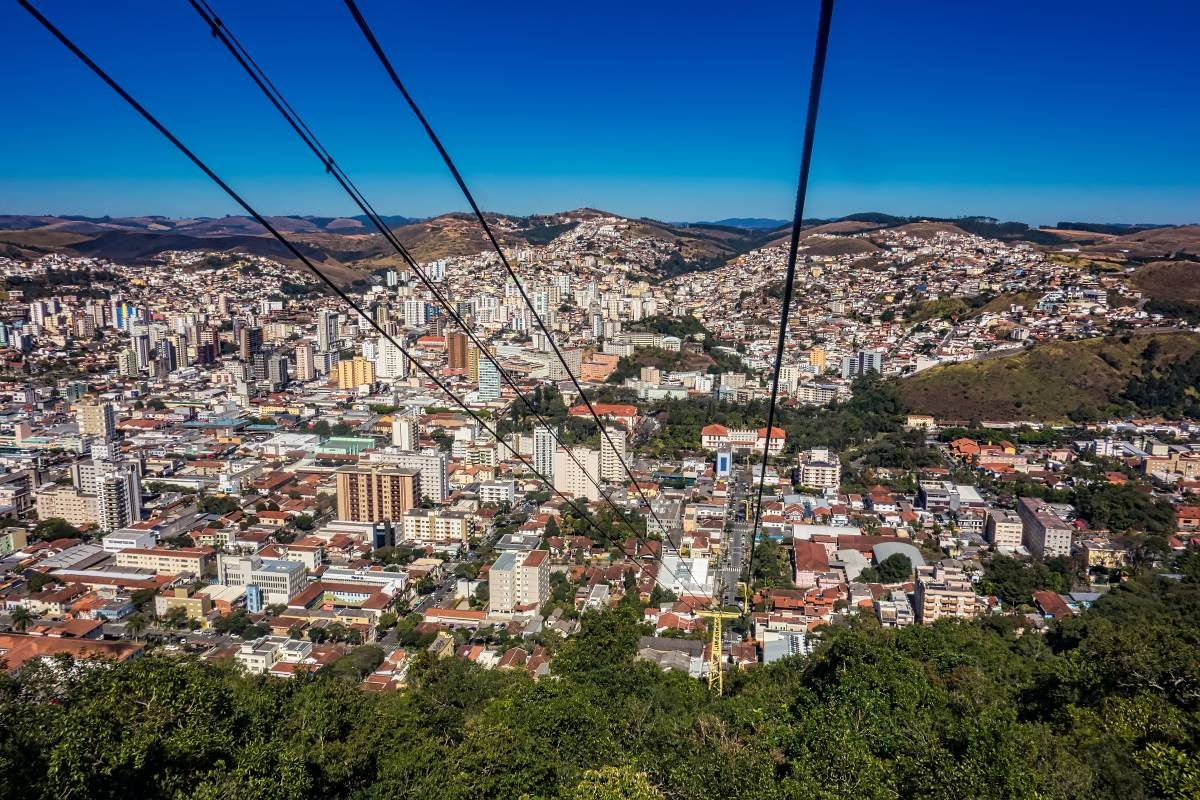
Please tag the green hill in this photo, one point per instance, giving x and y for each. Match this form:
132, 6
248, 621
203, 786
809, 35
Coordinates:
1053, 382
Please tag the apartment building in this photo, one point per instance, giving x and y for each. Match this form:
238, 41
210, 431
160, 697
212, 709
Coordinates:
1045, 533
437, 527
497, 492
68, 503
613, 454
432, 464
519, 581
945, 592
197, 606
355, 372
1004, 529
819, 469
97, 419
577, 472
373, 493
164, 561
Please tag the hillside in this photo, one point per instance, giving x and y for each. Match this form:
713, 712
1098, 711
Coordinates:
657, 250
1176, 281
1049, 382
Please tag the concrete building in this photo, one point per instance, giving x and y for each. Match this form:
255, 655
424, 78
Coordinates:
489, 380
577, 472
306, 368
197, 606
862, 362
97, 419
457, 346
164, 561
67, 503
373, 493
432, 464
1044, 532
391, 364
267, 581
355, 372
819, 469
1004, 529
437, 527
519, 581
613, 454
945, 592
545, 442
406, 433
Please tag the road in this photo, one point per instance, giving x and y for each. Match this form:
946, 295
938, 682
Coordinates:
737, 533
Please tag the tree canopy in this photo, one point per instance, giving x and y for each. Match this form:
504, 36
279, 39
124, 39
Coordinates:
1104, 705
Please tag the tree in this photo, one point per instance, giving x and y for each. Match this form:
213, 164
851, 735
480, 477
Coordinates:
135, 625
176, 617
55, 528
21, 617
614, 783
896, 568
37, 581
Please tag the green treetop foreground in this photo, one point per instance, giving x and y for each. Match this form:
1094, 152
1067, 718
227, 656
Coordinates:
1104, 705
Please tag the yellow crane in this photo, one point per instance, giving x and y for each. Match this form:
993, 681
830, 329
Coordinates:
716, 676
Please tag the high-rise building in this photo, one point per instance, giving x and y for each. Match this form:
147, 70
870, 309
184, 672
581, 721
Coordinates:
306, 369
473, 364
277, 369
327, 331
945, 592
489, 380
168, 354
140, 344
97, 419
571, 364
578, 476
415, 313
355, 372
433, 465
406, 432
545, 442
456, 350
519, 581
127, 365
250, 341
861, 363
612, 453
114, 505
391, 362
374, 493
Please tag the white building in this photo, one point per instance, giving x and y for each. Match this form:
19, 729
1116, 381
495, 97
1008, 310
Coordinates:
545, 442
519, 581
612, 454
277, 580
406, 432
577, 472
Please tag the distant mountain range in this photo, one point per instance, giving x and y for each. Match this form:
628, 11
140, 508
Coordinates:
347, 243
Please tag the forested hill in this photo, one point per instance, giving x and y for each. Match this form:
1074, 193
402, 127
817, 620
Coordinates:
1105, 705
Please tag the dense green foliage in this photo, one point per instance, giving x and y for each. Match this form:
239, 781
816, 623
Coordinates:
875, 407
1123, 508
1169, 389
1105, 706
895, 568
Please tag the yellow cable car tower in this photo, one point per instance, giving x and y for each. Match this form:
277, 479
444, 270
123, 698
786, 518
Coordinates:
716, 675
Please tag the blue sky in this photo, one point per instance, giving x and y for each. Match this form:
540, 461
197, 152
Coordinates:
1022, 110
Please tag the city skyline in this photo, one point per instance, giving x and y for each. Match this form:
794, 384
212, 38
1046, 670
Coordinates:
988, 115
